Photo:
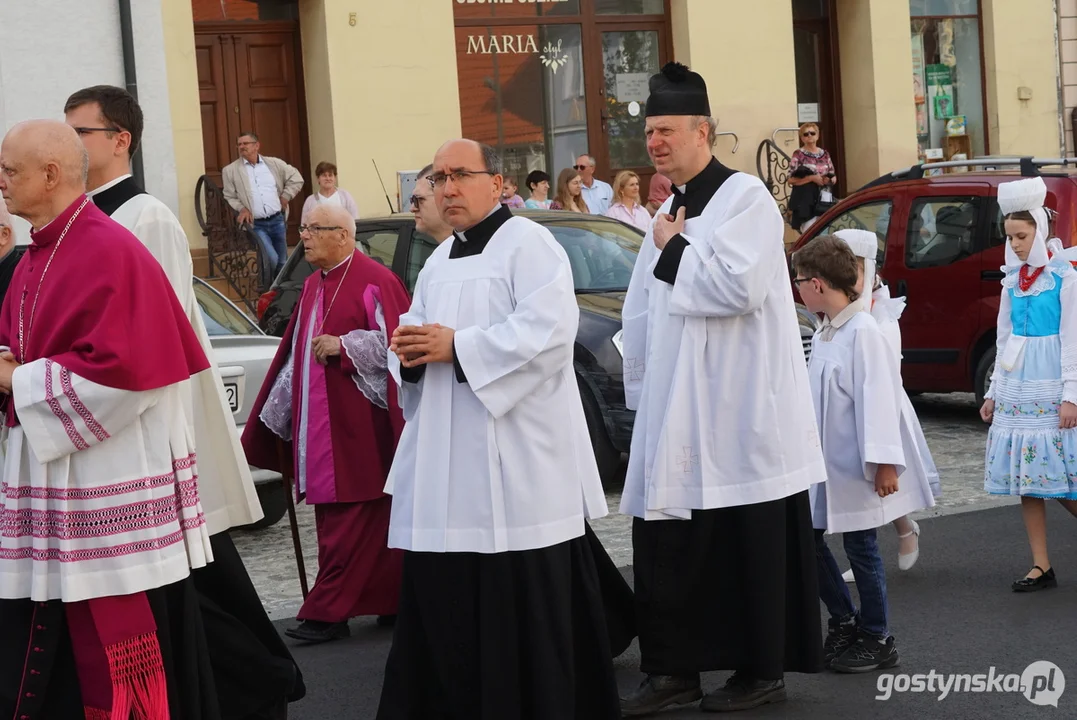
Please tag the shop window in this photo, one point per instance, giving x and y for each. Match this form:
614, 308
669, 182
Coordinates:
482, 9
940, 231
522, 92
873, 216
630, 7
935, 8
947, 79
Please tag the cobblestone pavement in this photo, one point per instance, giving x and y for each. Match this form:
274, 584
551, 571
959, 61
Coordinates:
951, 424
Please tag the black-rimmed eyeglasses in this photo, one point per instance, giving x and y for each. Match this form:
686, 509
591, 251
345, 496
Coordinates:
797, 281
458, 176
416, 201
318, 228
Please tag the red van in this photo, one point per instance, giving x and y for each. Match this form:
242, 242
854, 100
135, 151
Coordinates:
941, 245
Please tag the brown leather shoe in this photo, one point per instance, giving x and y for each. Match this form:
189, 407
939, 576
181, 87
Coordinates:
660, 691
743, 693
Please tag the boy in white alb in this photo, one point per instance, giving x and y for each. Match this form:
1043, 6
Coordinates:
856, 389
887, 311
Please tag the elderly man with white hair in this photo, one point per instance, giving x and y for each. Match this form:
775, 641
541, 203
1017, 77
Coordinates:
328, 396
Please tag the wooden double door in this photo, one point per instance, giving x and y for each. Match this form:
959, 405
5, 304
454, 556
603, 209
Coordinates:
250, 79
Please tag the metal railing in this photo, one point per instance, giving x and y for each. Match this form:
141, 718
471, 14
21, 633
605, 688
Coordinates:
234, 252
736, 140
772, 166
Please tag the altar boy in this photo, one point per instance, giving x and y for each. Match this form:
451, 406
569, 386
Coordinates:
856, 388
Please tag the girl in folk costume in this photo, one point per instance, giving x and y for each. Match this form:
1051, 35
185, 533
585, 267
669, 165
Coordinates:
886, 311
1032, 401
856, 388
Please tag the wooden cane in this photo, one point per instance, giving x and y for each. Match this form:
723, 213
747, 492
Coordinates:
286, 478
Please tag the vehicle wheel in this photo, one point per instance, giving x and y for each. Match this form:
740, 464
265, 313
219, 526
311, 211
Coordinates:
984, 369
606, 455
274, 505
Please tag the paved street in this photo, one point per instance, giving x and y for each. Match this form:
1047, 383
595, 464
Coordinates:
950, 422
953, 613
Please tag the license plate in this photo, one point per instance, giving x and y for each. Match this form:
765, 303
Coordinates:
232, 391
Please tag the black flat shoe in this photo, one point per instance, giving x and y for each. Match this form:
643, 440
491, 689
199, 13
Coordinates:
660, 691
386, 620
1044, 581
742, 692
315, 631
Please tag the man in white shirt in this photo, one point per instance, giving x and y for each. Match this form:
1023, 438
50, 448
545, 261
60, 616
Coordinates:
597, 194
259, 189
724, 446
493, 479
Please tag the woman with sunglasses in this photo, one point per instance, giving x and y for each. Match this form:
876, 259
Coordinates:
812, 169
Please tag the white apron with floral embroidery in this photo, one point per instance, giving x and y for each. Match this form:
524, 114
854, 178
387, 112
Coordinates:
1036, 369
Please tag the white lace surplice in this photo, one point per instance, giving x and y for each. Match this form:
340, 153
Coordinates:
99, 493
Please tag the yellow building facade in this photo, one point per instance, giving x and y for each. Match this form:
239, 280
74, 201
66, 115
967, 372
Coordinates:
383, 84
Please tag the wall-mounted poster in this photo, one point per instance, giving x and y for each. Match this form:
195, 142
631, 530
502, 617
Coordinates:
941, 91
922, 125
919, 92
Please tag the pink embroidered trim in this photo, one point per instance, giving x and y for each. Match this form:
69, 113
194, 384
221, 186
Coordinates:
82, 410
102, 553
88, 524
185, 463
39, 493
147, 483
54, 405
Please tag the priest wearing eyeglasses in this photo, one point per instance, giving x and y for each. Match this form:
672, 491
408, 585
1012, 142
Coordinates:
328, 396
501, 611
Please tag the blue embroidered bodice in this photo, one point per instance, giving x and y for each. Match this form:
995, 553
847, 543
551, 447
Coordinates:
1037, 315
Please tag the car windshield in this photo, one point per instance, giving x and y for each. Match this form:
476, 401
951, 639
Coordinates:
602, 253
220, 316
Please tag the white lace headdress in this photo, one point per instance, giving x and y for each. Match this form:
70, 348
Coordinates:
1028, 194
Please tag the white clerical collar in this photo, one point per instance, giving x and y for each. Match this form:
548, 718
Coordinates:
496, 207
326, 272
682, 188
106, 186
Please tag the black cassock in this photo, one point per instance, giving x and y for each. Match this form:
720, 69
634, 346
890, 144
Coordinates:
506, 636
733, 588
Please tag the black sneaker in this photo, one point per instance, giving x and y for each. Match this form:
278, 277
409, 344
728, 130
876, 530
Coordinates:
839, 636
865, 655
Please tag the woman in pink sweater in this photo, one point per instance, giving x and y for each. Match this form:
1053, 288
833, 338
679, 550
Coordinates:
328, 192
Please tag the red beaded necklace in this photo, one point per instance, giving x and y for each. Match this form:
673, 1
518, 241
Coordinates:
1025, 278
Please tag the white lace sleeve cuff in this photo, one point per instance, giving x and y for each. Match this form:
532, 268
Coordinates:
277, 411
368, 351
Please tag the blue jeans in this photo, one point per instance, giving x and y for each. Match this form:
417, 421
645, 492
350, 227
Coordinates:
273, 234
862, 549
